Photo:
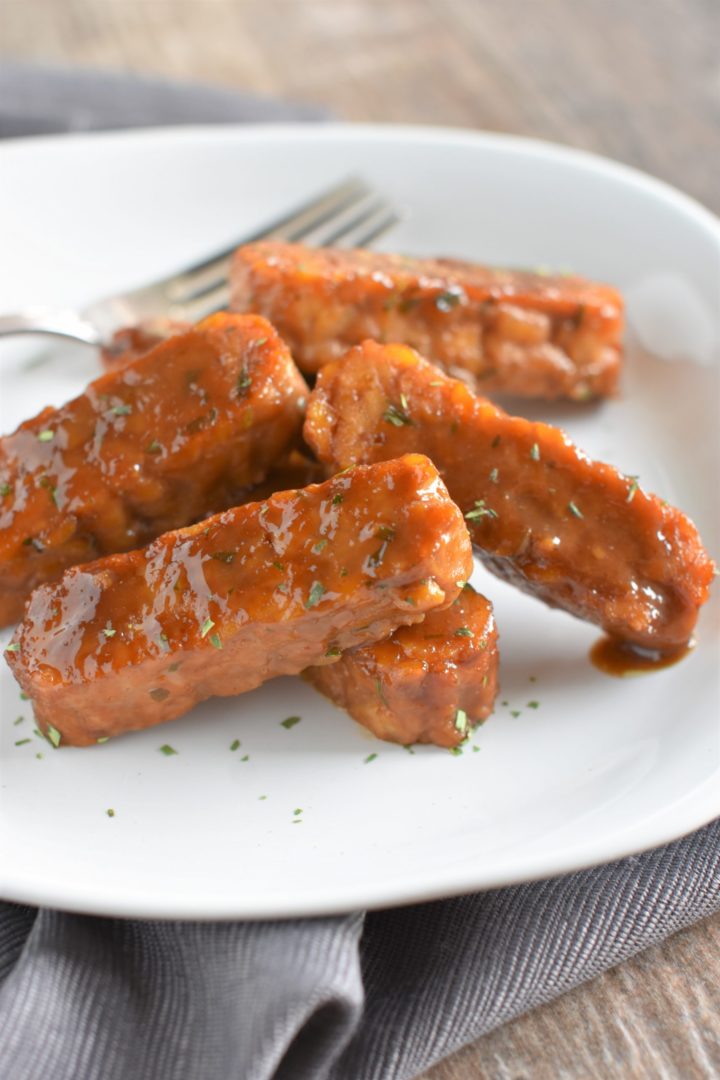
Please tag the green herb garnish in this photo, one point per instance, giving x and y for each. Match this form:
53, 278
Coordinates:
480, 510
14, 647
110, 812
243, 384
223, 556
5, 489
290, 722
235, 744
337, 499
245, 757
461, 721
46, 436
494, 476
634, 485
154, 447
167, 750
22, 742
317, 591
397, 415
109, 632
533, 704
463, 631
317, 548
103, 739
449, 299
334, 651
535, 452
206, 627
574, 510
216, 641
369, 758
121, 410
53, 735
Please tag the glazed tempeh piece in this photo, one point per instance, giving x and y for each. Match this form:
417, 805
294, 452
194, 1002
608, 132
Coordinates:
129, 343
261, 590
154, 446
428, 683
504, 331
574, 532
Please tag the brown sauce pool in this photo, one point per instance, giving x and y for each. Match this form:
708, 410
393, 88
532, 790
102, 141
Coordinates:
622, 660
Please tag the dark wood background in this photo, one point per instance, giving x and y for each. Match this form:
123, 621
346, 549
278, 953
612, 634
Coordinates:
638, 80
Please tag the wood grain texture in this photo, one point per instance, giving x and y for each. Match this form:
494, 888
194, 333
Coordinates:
654, 1017
635, 79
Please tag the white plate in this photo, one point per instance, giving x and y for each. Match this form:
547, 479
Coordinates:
602, 768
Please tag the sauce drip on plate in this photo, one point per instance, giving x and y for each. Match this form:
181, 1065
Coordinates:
623, 660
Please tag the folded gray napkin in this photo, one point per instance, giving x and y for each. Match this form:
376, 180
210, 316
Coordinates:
378, 996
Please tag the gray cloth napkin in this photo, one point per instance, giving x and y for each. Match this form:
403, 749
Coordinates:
380, 996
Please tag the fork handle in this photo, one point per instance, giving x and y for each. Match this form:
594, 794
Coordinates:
58, 323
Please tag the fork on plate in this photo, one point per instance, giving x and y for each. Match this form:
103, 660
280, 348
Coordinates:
350, 214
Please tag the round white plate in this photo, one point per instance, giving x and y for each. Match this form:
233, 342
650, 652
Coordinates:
601, 768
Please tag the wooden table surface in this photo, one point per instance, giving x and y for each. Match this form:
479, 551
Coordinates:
635, 79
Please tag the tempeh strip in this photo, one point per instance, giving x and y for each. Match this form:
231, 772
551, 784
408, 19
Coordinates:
428, 683
261, 590
157, 445
508, 331
576, 533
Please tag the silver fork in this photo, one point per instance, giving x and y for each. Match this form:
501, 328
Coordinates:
348, 215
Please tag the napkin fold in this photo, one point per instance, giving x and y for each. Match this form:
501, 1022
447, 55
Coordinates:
378, 996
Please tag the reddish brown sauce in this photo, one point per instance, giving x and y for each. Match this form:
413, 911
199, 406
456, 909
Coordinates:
618, 658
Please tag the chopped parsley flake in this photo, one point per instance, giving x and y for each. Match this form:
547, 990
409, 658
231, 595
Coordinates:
449, 299
337, 499
246, 757
334, 651
480, 510
574, 510
533, 704
278, 566
109, 632
317, 548
296, 813
223, 556
121, 410
103, 739
206, 627
235, 744
317, 591
461, 721
515, 712
397, 415
14, 647
290, 722
216, 641
634, 485
18, 721
463, 631
167, 750
5, 489
53, 735
369, 758
22, 742
46, 436
110, 812
154, 447
243, 384
456, 751
475, 749
262, 797
408, 747
24, 696
39, 757
535, 452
